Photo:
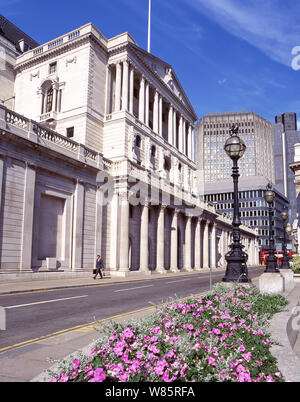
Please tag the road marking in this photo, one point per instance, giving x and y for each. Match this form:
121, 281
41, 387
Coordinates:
45, 301
180, 280
92, 326
139, 287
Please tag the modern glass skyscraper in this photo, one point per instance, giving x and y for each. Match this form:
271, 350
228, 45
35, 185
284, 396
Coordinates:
212, 132
285, 138
256, 168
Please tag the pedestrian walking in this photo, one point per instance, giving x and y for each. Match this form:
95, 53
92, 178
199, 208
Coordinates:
99, 266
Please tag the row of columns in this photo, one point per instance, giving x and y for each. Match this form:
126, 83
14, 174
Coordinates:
191, 246
180, 130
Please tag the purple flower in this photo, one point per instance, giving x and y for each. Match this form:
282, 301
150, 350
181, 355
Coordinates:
99, 375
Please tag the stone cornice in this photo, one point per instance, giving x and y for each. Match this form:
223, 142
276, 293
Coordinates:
153, 78
57, 51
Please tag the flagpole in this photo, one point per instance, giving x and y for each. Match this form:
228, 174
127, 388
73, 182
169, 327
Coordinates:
149, 26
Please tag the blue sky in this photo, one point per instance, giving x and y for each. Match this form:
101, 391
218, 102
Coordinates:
229, 55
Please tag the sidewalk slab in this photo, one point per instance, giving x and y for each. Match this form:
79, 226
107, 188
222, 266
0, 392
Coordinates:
46, 283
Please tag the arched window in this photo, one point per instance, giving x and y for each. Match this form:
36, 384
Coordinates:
51, 97
49, 100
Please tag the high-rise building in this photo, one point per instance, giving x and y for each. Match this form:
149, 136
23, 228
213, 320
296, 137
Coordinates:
253, 208
285, 138
256, 169
289, 121
212, 132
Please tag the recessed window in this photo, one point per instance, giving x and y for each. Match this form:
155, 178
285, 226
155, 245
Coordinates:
49, 100
70, 132
153, 151
52, 68
138, 141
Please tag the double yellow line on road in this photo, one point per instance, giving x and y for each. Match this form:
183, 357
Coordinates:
84, 327
81, 328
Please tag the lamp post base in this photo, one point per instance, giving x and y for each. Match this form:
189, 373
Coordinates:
236, 270
285, 263
271, 264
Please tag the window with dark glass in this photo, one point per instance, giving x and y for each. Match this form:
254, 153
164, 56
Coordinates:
70, 132
49, 102
138, 141
52, 68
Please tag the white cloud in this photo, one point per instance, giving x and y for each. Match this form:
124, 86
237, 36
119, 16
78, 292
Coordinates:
298, 125
223, 81
269, 25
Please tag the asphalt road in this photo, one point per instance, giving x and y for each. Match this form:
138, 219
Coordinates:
37, 314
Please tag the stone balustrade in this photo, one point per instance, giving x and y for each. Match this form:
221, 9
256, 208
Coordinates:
46, 137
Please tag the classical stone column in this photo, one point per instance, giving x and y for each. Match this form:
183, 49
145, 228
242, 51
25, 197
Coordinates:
170, 125
147, 103
78, 225
206, 245
155, 112
222, 251
114, 218
131, 88
188, 244
180, 134
213, 240
160, 246
174, 242
198, 245
144, 250
174, 128
125, 85
118, 87
142, 100
108, 90
99, 210
160, 115
185, 148
27, 227
191, 139
124, 233
54, 103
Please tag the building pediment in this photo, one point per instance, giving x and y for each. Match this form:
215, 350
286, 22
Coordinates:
165, 73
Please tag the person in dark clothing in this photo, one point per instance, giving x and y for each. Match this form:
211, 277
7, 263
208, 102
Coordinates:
99, 266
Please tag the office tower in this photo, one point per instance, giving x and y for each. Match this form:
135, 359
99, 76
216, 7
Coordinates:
285, 137
212, 132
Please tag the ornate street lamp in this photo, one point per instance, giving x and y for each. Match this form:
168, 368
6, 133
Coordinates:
236, 258
271, 262
285, 259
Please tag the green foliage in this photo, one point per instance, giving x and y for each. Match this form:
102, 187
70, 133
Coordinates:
295, 264
220, 337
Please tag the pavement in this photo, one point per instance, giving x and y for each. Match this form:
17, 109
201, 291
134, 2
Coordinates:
284, 327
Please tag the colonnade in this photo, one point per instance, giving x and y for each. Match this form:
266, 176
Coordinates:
128, 89
162, 238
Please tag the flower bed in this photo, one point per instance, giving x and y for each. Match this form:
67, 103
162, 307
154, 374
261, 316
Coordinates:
220, 337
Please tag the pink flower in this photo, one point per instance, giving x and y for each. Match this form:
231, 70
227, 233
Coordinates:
247, 356
76, 364
156, 330
63, 377
99, 375
128, 333
211, 361
242, 348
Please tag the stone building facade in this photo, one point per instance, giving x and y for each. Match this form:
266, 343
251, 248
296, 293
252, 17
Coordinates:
129, 186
